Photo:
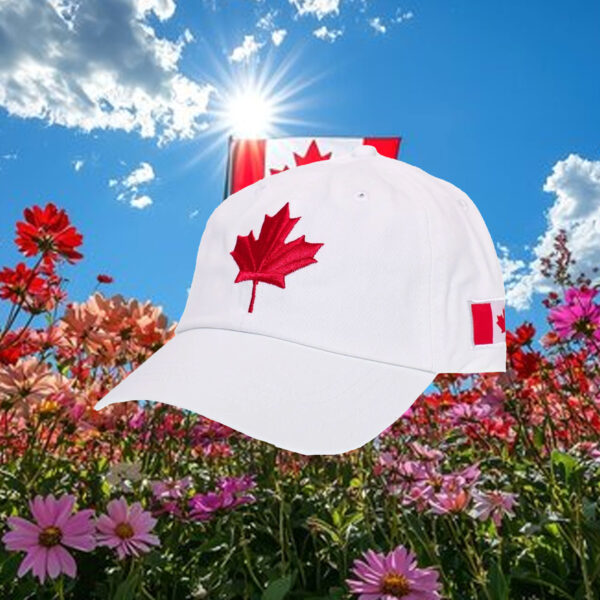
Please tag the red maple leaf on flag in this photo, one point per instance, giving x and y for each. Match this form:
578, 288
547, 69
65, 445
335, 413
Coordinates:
501, 322
313, 154
269, 258
275, 171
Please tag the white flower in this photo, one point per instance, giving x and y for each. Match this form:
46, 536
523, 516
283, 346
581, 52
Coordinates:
123, 475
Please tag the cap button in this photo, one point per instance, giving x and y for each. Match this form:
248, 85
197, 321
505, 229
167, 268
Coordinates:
364, 151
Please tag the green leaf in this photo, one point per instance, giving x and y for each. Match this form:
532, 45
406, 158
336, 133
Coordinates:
13, 483
564, 463
127, 589
278, 589
498, 585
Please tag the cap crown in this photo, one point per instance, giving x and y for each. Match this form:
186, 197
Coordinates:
373, 259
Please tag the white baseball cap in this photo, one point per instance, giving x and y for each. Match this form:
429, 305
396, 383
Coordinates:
325, 300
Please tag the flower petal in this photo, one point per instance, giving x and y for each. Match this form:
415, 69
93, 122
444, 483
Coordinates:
67, 562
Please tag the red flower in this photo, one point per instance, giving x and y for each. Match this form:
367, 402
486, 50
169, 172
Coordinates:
104, 278
525, 333
35, 290
49, 231
15, 345
19, 283
525, 363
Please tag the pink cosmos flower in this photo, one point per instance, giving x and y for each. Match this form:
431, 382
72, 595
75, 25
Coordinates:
425, 452
126, 528
232, 492
459, 413
453, 501
171, 488
579, 316
494, 504
393, 575
45, 541
589, 450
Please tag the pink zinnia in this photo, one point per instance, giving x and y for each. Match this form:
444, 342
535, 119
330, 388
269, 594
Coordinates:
46, 540
579, 316
493, 504
126, 528
393, 575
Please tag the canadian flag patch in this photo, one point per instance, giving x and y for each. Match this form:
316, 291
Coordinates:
489, 326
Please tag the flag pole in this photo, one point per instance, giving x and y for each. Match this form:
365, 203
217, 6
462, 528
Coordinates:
228, 168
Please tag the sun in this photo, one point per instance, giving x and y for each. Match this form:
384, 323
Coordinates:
249, 113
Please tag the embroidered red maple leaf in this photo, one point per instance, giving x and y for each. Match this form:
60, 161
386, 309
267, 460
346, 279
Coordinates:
500, 322
269, 258
313, 154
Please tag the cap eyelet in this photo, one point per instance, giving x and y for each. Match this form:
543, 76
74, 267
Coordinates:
362, 196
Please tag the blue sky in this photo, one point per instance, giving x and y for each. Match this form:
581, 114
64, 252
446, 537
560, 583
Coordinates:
493, 97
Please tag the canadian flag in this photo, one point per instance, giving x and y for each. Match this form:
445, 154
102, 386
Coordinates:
252, 159
489, 325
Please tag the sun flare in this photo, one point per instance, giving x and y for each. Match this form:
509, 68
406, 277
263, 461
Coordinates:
249, 114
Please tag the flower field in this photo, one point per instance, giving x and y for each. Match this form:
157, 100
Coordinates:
487, 488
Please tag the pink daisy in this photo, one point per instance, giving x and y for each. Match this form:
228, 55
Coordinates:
45, 541
393, 575
126, 528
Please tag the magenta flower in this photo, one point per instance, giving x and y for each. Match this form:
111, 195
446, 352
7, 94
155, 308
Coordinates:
126, 528
394, 575
203, 506
236, 487
579, 316
231, 493
493, 504
45, 541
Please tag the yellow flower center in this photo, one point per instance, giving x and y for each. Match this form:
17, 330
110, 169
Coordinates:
395, 585
48, 407
50, 536
124, 531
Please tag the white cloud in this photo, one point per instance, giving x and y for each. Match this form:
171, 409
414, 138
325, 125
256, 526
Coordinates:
327, 35
188, 36
78, 164
377, 24
317, 8
575, 182
512, 269
140, 202
129, 186
278, 36
194, 213
248, 48
98, 64
10, 156
163, 9
403, 16
143, 174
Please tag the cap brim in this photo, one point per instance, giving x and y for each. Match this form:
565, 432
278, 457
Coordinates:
298, 398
